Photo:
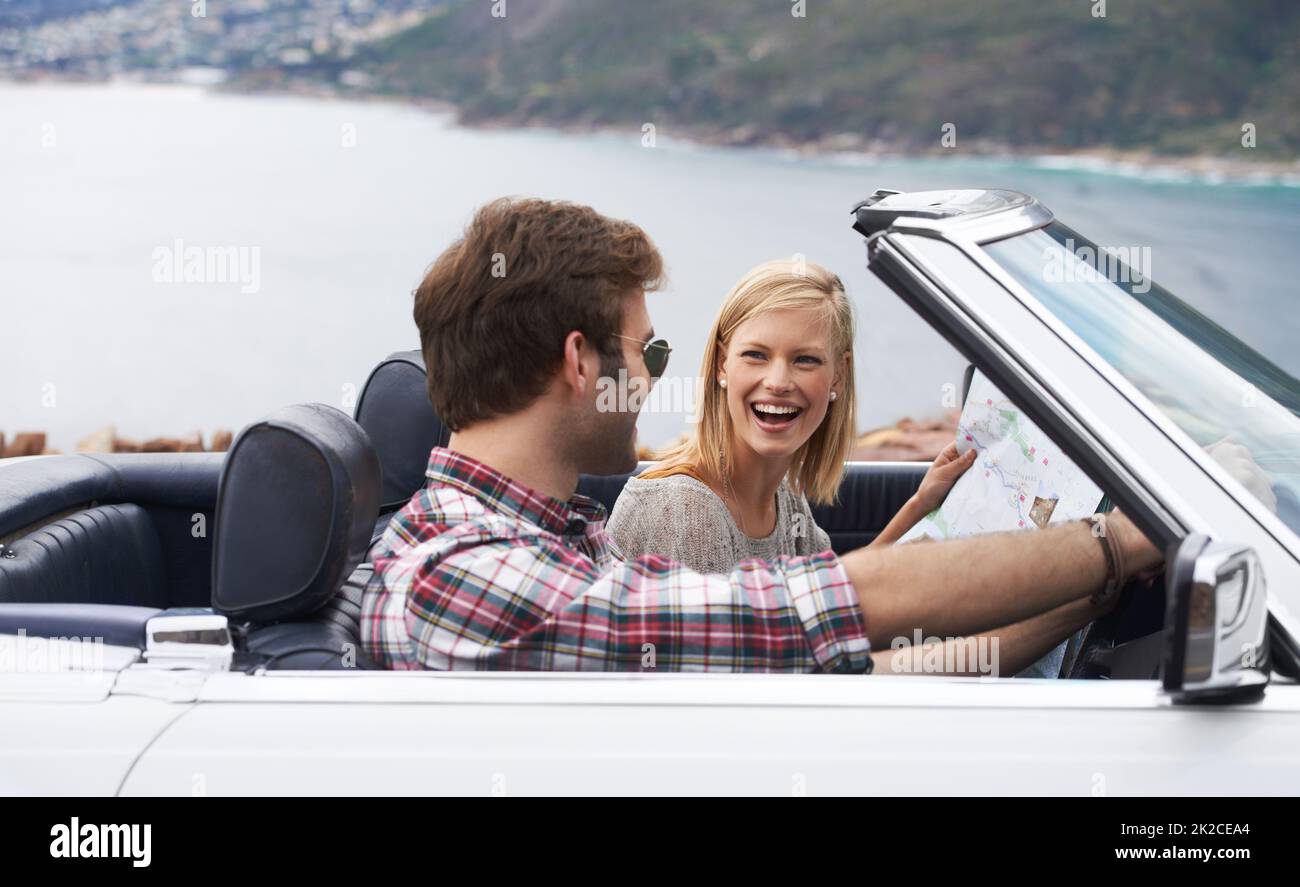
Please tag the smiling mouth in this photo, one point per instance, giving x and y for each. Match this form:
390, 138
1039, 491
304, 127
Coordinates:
774, 418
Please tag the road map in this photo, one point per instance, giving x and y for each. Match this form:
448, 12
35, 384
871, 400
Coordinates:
1020, 479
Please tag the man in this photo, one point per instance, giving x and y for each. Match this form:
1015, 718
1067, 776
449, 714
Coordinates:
495, 563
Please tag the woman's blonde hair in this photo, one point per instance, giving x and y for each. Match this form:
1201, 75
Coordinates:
818, 465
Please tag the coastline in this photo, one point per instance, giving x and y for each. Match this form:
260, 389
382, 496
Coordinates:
845, 149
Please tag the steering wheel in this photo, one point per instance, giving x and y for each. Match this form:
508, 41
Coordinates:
1139, 614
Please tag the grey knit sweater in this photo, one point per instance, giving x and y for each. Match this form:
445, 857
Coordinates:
681, 518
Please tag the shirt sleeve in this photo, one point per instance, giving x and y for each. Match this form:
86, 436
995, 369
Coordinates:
537, 605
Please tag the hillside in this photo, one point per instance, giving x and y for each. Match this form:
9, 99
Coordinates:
1174, 78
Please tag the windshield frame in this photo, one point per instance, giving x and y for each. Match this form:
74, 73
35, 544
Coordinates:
969, 240
1085, 404
1192, 325
1269, 522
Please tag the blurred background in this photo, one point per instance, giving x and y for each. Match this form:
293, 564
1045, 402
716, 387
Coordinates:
335, 147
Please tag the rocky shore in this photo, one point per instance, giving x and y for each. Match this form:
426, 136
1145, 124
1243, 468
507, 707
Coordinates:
106, 440
1230, 167
908, 440
1241, 167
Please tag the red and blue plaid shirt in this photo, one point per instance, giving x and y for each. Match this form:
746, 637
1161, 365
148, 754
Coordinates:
478, 571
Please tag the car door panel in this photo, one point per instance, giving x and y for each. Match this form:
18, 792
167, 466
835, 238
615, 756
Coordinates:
76, 748
604, 734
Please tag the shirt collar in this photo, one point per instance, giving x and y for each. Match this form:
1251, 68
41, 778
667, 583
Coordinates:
511, 497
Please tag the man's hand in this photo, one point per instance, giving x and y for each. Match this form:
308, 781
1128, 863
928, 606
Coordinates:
940, 477
961, 587
1142, 559
1242, 466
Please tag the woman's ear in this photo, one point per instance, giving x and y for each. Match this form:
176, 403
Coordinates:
845, 367
720, 369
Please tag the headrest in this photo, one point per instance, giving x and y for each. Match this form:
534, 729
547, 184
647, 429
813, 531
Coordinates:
296, 506
394, 410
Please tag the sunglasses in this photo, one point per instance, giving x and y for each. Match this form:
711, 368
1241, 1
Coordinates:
654, 353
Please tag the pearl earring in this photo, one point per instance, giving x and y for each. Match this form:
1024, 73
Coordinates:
722, 383
834, 395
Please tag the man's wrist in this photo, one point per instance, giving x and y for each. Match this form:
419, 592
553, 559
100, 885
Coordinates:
1113, 553
1139, 553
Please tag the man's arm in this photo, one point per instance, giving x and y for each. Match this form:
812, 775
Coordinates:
1018, 646
967, 586
480, 601
503, 604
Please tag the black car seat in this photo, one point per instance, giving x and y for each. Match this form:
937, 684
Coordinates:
296, 507
104, 554
395, 412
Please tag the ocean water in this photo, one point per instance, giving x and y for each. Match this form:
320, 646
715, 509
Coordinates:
336, 208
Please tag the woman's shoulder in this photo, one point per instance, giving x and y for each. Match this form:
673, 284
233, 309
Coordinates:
664, 483
674, 491
675, 516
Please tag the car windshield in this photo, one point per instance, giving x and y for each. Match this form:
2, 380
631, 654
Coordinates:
1211, 384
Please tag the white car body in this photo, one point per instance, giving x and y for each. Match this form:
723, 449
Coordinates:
139, 731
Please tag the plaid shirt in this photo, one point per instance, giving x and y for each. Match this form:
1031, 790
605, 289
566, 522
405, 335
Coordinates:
478, 571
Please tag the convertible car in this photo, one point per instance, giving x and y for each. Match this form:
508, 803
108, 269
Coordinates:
187, 623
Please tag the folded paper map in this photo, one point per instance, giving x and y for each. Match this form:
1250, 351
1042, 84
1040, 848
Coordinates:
1020, 479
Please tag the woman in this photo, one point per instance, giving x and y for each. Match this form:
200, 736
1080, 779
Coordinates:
774, 429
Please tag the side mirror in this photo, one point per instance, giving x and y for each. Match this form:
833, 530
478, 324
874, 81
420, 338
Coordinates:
1216, 623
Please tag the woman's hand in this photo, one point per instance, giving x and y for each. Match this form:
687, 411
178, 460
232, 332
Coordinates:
943, 473
938, 480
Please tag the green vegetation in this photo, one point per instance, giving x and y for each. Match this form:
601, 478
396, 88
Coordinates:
1171, 77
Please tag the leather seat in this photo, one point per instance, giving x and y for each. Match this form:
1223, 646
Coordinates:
870, 495
115, 624
99, 543
295, 510
108, 554
329, 639
395, 411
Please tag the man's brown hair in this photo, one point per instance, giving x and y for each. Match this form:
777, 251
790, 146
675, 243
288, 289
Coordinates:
494, 309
